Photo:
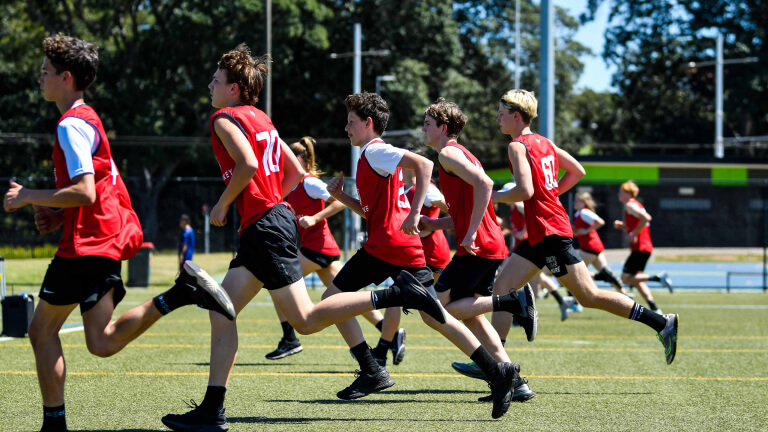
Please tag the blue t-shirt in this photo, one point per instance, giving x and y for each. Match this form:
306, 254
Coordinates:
187, 238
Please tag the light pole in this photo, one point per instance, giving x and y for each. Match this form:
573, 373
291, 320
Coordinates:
517, 44
357, 54
381, 78
719, 62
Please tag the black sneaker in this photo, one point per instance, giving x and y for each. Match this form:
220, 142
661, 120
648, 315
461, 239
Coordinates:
204, 291
504, 377
284, 349
521, 393
398, 347
471, 370
365, 384
196, 420
529, 319
668, 337
416, 296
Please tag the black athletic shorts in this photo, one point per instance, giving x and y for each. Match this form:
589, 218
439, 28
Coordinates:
636, 262
436, 270
553, 251
364, 269
321, 259
83, 280
467, 275
269, 249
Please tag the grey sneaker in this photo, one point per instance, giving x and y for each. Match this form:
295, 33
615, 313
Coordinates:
204, 291
471, 370
398, 347
565, 308
668, 337
666, 281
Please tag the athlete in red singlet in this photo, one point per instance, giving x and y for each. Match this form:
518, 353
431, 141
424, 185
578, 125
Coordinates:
465, 286
319, 252
99, 229
257, 168
393, 246
585, 225
637, 225
535, 161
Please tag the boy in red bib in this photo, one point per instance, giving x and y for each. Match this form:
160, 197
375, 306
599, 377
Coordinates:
259, 169
99, 229
466, 285
534, 161
393, 246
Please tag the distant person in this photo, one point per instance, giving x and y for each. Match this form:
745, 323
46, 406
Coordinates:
636, 224
186, 242
99, 228
585, 225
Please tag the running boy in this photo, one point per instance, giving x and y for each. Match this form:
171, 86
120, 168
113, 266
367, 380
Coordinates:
99, 229
257, 166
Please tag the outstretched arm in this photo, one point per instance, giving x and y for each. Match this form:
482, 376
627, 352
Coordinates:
573, 170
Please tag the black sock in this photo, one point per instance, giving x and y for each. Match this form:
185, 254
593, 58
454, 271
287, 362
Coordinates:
507, 303
381, 349
601, 275
652, 305
54, 419
503, 342
654, 278
174, 298
385, 298
379, 325
364, 358
557, 297
482, 358
651, 319
288, 333
213, 402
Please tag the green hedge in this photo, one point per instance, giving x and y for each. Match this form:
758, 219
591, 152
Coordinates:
45, 251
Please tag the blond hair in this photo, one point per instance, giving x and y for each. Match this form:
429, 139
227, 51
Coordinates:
523, 102
587, 199
305, 149
631, 188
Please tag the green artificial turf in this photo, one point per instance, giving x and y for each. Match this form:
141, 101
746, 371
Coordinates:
593, 372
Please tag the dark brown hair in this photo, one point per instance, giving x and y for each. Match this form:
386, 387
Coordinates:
245, 71
449, 114
371, 105
80, 58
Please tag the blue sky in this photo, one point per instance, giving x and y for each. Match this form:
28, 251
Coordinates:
597, 75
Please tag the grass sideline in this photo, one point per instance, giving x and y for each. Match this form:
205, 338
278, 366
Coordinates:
593, 372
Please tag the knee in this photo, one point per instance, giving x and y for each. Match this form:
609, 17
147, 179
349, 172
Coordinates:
626, 278
303, 328
332, 290
99, 349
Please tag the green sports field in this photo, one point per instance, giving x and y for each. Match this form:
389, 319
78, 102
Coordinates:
591, 372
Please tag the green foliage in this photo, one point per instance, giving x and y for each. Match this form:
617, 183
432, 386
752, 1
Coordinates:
662, 100
23, 252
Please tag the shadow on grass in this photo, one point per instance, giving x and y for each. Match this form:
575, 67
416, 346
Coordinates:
600, 393
271, 363
366, 401
304, 420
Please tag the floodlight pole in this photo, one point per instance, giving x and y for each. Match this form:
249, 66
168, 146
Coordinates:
718, 63
517, 44
547, 66
356, 54
268, 102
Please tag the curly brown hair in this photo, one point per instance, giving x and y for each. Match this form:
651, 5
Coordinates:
80, 58
245, 71
371, 105
449, 114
